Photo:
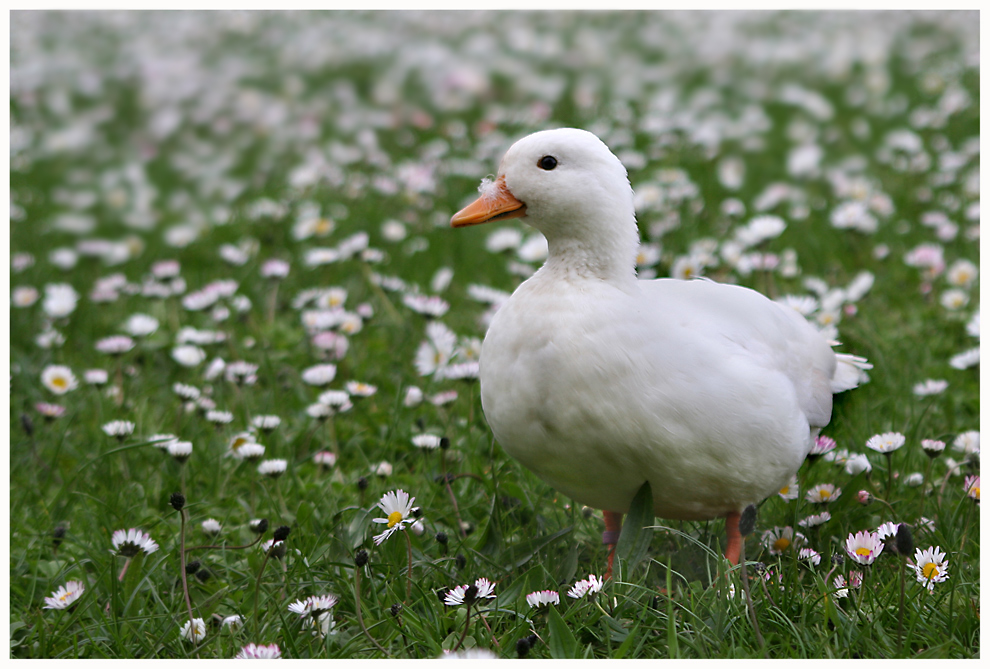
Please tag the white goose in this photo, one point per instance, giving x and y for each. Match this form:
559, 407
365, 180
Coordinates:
597, 381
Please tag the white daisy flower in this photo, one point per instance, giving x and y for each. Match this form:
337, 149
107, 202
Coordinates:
119, 429
823, 493
930, 566
194, 630
140, 325
397, 507
129, 542
259, 652
542, 599
590, 585
58, 379
65, 596
886, 442
319, 375
930, 387
211, 526
272, 468
427, 441
115, 345
864, 547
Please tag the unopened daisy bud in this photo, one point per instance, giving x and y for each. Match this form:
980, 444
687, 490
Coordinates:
864, 497
362, 483
395, 609
444, 443
204, 575
460, 561
522, 647
259, 525
274, 549
27, 424
57, 535
192, 567
471, 594
904, 542
281, 532
838, 559
361, 558
177, 500
442, 538
442, 594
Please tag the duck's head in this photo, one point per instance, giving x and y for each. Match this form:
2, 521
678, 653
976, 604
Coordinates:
566, 183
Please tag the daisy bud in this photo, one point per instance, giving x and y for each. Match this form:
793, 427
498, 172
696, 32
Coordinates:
27, 424
57, 535
460, 561
471, 594
362, 483
275, 549
903, 541
361, 558
259, 526
203, 575
416, 512
587, 512
442, 538
522, 647
282, 533
177, 500
444, 443
192, 567
864, 497
442, 594
838, 559
532, 639
395, 609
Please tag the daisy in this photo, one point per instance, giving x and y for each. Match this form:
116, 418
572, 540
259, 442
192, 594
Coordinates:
119, 429
427, 441
864, 547
435, 352
413, 398
140, 325
211, 527
542, 599
590, 585
815, 520
914, 479
442, 398
241, 372
462, 370
273, 468
129, 542
932, 447
888, 530
966, 359
325, 459
971, 485
50, 411
334, 398
219, 417
886, 442
266, 423
397, 507
194, 630
822, 446
811, 555
275, 549
115, 345
857, 464
319, 411
383, 469
313, 605
24, 296
275, 269
839, 583
319, 375
65, 596
188, 355
930, 566
789, 491
780, 539
96, 377
469, 594
967, 442
360, 389
180, 450
961, 273
186, 391
233, 623
58, 379
430, 306
823, 493
259, 652
930, 387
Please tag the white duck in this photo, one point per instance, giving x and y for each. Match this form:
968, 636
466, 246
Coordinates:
597, 381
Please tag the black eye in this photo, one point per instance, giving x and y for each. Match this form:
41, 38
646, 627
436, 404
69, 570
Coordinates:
547, 163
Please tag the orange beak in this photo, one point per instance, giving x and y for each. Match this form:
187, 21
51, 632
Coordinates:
495, 204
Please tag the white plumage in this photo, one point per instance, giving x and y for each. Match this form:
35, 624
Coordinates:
597, 381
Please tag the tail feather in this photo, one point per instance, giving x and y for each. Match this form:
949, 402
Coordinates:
850, 372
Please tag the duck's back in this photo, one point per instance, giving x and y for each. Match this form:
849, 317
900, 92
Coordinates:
712, 392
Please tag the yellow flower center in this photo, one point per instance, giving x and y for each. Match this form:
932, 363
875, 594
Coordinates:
975, 492
60, 382
824, 494
785, 490
863, 551
394, 518
781, 543
65, 596
322, 227
930, 570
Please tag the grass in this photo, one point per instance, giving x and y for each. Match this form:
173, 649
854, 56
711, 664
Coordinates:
670, 593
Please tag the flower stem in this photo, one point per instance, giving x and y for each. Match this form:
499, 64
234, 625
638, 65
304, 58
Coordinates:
257, 587
467, 623
182, 565
408, 573
357, 610
450, 491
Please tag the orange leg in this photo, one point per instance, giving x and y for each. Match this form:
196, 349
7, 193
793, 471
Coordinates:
735, 538
610, 537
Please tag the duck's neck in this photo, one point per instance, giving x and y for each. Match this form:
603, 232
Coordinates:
607, 257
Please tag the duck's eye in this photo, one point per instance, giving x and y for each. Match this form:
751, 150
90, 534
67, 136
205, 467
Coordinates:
547, 163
